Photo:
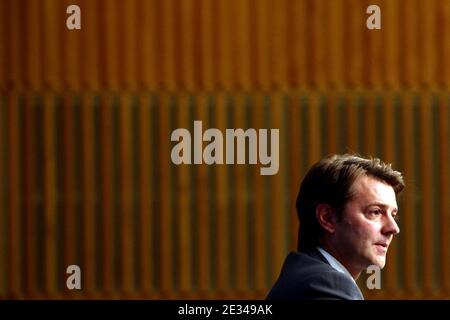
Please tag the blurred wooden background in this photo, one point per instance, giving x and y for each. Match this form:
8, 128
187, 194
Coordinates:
86, 117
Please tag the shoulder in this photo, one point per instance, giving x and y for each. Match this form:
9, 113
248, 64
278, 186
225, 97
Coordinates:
330, 284
306, 277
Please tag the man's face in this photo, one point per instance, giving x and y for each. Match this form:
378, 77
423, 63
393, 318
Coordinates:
367, 226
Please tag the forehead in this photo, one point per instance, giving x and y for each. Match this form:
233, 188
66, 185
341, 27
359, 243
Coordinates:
367, 189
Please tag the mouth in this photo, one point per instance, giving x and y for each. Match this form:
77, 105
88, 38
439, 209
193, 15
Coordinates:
382, 246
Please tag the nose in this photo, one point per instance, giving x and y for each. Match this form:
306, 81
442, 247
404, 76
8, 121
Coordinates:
391, 226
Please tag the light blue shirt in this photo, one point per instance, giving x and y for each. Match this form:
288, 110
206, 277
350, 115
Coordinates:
335, 263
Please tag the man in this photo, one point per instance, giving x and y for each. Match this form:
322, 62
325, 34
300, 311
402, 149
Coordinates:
347, 210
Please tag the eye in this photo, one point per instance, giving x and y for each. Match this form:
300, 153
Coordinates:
375, 212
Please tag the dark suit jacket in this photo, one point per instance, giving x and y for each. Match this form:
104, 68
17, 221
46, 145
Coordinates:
309, 276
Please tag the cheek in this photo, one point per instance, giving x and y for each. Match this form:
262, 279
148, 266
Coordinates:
365, 232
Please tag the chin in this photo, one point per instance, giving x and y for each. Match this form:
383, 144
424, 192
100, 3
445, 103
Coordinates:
380, 262
376, 260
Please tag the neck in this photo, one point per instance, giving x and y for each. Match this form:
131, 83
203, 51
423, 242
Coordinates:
354, 271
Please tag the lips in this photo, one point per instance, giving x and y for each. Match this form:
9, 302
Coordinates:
382, 244
382, 247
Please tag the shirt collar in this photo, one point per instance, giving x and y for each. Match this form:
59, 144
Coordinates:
334, 262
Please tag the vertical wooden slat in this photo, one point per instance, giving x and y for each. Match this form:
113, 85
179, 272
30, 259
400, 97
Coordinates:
355, 48
296, 149
15, 240
263, 45
311, 55
388, 156
216, 49
369, 109
427, 48
371, 43
51, 46
351, 113
89, 195
299, 32
206, 41
107, 178
407, 217
318, 53
202, 206
71, 52
30, 196
110, 26
225, 53
3, 194
33, 44
165, 214
335, 67
187, 36
4, 43
50, 195
69, 182
198, 57
147, 46
314, 129
390, 27
347, 48
332, 124
184, 206
222, 214
16, 55
444, 148
409, 45
168, 45
241, 52
277, 212
240, 212
444, 46
281, 45
409, 207
194, 33
126, 193
129, 46
146, 193
90, 34
375, 57
158, 48
425, 177
259, 248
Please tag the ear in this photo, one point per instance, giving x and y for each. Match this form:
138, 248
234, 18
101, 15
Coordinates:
326, 217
